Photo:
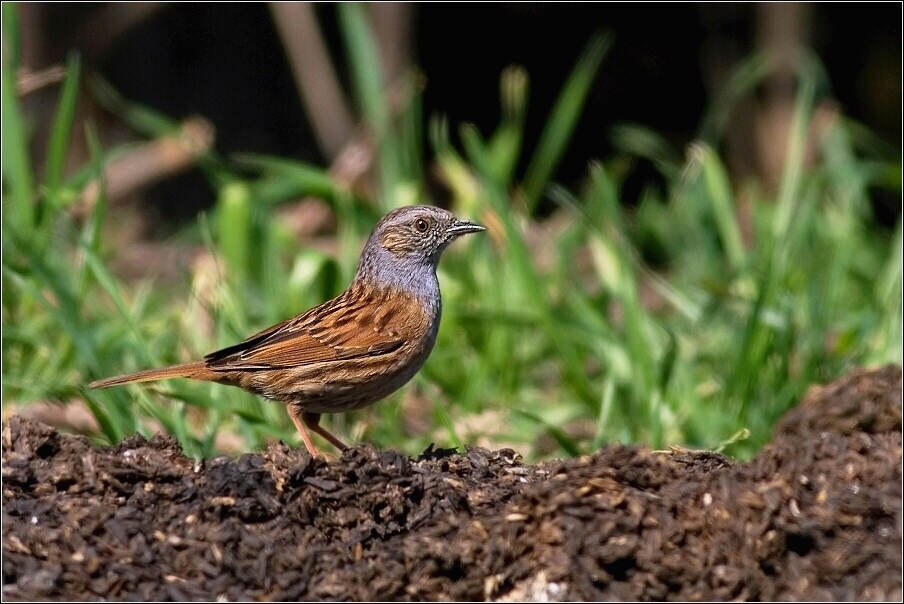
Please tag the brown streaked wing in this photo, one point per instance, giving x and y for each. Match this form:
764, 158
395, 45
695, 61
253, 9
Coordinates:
346, 327
250, 342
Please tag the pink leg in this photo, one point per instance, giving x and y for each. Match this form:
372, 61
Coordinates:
294, 413
312, 421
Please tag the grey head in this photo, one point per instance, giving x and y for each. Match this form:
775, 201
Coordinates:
404, 248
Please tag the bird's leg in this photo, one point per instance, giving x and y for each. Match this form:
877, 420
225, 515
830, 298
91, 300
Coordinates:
312, 421
294, 413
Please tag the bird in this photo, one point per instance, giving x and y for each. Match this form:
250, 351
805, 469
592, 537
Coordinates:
354, 350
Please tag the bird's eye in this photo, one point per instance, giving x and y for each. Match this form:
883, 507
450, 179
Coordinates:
421, 225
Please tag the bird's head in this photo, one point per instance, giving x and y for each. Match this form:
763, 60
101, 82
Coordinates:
409, 240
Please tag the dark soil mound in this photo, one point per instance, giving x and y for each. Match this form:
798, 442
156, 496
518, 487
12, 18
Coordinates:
815, 516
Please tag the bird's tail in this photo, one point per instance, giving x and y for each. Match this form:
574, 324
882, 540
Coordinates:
195, 370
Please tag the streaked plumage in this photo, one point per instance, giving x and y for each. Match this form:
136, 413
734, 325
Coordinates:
350, 351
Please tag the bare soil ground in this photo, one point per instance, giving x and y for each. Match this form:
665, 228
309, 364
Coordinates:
816, 515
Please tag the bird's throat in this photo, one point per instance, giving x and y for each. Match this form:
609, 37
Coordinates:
416, 280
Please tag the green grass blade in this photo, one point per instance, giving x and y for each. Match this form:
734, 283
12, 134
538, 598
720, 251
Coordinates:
234, 229
369, 85
722, 202
449, 425
64, 310
287, 179
61, 130
108, 426
92, 230
793, 170
12, 36
563, 120
16, 163
617, 270
563, 440
411, 135
890, 343
640, 141
107, 282
145, 120
742, 81
364, 60
505, 146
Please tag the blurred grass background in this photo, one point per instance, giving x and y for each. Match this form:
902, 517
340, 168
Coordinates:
694, 317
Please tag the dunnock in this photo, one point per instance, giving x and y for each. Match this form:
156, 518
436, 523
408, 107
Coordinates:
353, 350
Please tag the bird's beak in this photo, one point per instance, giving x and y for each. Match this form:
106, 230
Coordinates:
463, 227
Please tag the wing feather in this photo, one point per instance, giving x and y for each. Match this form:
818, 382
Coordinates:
359, 323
